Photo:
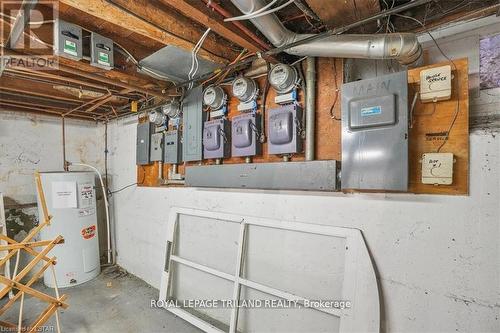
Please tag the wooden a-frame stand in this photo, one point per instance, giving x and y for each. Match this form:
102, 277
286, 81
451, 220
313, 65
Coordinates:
15, 281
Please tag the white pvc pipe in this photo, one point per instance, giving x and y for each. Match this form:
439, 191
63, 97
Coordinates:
106, 204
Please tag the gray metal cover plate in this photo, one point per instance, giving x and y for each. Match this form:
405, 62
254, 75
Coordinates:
193, 118
143, 143
375, 133
312, 176
175, 63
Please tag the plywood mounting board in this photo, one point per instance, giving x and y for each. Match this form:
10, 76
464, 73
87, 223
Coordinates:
359, 283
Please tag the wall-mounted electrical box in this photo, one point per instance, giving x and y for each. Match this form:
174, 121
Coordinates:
67, 40
437, 168
144, 131
375, 133
193, 120
101, 51
156, 153
245, 135
435, 84
172, 147
216, 138
284, 130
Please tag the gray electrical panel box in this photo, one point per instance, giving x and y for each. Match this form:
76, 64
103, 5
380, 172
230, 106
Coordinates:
216, 138
172, 147
144, 131
67, 40
156, 153
193, 119
245, 135
101, 51
284, 130
375, 133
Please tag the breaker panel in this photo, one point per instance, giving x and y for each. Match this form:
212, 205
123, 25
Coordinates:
245, 135
375, 133
144, 131
172, 147
284, 130
101, 52
156, 153
216, 138
67, 40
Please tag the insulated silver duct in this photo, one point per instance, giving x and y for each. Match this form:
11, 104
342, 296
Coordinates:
403, 47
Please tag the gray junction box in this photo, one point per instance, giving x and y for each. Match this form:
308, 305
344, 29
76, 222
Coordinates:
156, 153
375, 133
144, 131
216, 138
172, 147
245, 135
68, 40
101, 51
193, 119
284, 130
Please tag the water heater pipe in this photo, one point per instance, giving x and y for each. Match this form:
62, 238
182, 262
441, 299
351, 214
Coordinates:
403, 47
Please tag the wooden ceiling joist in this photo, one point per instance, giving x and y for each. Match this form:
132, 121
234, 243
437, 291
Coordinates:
209, 20
130, 19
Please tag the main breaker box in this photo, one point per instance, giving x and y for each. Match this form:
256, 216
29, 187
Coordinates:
375, 133
245, 135
101, 51
172, 147
435, 84
284, 130
216, 138
156, 153
67, 40
144, 131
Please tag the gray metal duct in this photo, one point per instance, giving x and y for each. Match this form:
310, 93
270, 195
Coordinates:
403, 47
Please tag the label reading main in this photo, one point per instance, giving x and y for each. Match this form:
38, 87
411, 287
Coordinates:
371, 111
70, 48
103, 58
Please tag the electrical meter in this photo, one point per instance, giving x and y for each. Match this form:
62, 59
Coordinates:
214, 97
172, 109
435, 84
157, 117
283, 78
245, 89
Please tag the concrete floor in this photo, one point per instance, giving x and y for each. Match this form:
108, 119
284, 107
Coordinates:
124, 306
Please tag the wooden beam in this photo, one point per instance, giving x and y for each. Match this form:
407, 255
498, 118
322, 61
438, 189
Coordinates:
208, 19
131, 20
336, 13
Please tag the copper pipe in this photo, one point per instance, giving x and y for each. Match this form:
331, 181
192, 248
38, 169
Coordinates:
239, 25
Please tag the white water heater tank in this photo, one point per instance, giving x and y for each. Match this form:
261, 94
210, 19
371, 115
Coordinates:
71, 201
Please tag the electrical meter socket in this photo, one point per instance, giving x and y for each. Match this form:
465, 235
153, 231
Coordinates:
172, 109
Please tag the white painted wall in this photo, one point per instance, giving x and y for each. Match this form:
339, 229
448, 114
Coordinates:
32, 142
437, 256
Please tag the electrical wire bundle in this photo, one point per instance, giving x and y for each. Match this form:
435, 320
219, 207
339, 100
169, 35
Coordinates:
194, 58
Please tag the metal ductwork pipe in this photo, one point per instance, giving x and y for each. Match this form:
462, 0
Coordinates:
403, 47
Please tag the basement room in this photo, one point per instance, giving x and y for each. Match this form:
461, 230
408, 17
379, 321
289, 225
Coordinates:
250, 166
